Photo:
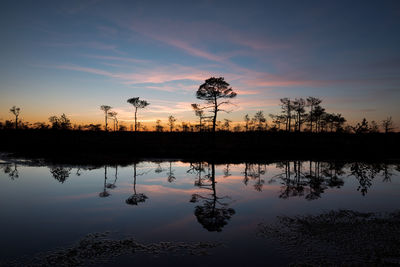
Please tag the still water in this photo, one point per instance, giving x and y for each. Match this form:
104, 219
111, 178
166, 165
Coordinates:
47, 207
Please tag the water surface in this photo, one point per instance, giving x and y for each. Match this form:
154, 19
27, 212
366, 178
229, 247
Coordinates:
46, 206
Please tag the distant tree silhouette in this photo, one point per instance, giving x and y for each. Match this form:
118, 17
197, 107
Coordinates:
246, 122
227, 124
159, 127
287, 109
299, 105
259, 120
15, 110
199, 113
60, 123
137, 103
388, 125
362, 128
312, 102
171, 123
374, 128
113, 116
212, 91
106, 109
12, 173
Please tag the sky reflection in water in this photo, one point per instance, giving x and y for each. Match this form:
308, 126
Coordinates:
48, 206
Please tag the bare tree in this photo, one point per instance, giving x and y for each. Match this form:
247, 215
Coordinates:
299, 107
227, 124
113, 116
259, 120
212, 91
246, 121
15, 110
137, 103
287, 108
312, 102
159, 127
199, 113
171, 123
388, 125
106, 109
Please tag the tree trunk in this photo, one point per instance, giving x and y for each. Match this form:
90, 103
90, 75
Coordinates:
106, 121
135, 119
215, 115
16, 122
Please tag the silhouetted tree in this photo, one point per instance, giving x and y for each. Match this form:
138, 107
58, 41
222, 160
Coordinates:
277, 120
112, 185
312, 102
212, 91
106, 109
171, 123
362, 127
15, 110
227, 124
259, 120
137, 103
159, 127
318, 114
287, 109
246, 122
374, 128
199, 113
60, 123
113, 116
299, 107
388, 125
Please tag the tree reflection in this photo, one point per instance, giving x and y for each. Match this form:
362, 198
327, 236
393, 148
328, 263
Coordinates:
171, 176
113, 184
309, 181
12, 171
60, 173
135, 198
105, 193
212, 213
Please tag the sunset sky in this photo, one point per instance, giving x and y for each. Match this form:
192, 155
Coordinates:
73, 56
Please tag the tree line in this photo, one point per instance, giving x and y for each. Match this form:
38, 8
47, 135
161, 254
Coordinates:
297, 115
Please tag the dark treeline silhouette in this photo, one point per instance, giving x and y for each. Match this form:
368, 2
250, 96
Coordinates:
303, 130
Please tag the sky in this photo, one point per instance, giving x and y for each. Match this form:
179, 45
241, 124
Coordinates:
74, 56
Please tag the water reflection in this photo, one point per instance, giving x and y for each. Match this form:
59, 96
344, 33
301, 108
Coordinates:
212, 212
60, 173
105, 193
11, 170
136, 198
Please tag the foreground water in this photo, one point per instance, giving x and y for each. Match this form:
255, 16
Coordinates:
50, 208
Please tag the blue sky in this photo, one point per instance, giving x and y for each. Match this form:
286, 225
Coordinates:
73, 56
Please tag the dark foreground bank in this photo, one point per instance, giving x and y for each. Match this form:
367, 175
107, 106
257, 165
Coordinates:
221, 146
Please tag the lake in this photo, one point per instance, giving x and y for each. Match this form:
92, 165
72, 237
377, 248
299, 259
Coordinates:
174, 212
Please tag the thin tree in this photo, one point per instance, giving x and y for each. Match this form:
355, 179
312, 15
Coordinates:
388, 125
227, 124
312, 102
259, 120
246, 122
171, 123
113, 116
211, 91
137, 103
15, 110
298, 106
106, 109
199, 113
287, 108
